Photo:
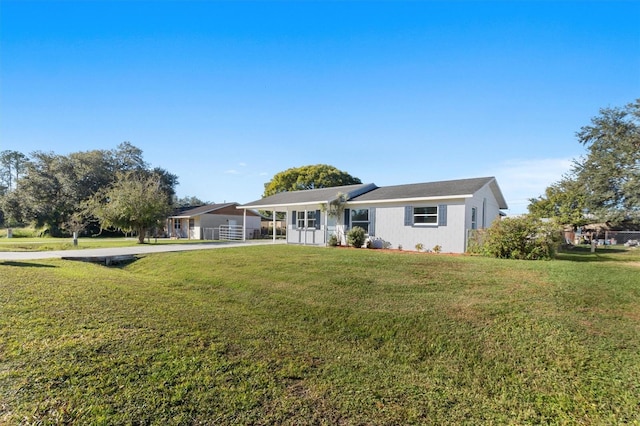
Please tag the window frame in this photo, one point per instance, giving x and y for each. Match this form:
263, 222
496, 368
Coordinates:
311, 219
426, 215
359, 223
474, 218
307, 219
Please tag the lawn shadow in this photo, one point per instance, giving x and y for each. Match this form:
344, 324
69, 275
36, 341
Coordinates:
26, 264
584, 254
109, 261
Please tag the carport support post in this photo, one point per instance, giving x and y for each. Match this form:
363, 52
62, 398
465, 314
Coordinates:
244, 224
326, 226
274, 225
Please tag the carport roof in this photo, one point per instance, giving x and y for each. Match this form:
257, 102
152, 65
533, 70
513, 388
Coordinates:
310, 196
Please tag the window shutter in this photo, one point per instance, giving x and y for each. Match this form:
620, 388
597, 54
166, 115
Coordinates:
317, 219
372, 222
294, 218
442, 215
347, 215
408, 215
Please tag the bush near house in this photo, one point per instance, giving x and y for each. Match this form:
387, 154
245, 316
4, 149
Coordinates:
522, 238
356, 237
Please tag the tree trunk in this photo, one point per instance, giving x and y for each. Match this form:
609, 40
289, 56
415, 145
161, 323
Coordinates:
141, 232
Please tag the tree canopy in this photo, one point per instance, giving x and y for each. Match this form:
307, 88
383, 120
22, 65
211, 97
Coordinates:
610, 173
604, 185
563, 200
49, 190
134, 202
12, 165
308, 177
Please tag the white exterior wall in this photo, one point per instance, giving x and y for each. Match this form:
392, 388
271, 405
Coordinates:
306, 236
491, 208
389, 226
216, 220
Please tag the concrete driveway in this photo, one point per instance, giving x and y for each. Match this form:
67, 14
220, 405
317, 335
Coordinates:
124, 251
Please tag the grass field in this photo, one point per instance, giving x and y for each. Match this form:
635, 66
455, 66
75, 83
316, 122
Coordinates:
48, 244
298, 335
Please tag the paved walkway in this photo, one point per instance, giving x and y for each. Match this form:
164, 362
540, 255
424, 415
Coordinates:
124, 251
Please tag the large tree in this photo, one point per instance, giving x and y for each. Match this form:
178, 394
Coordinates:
12, 166
52, 188
564, 201
604, 185
610, 172
135, 202
308, 177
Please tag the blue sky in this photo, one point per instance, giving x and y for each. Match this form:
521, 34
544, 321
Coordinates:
227, 94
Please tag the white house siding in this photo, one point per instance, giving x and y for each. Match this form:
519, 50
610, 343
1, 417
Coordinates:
389, 225
487, 207
306, 236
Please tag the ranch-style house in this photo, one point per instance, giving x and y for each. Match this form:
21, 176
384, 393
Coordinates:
401, 216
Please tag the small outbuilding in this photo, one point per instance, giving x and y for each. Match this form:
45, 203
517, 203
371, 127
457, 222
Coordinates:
214, 222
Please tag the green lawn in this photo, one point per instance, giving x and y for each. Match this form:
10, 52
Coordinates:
298, 335
48, 244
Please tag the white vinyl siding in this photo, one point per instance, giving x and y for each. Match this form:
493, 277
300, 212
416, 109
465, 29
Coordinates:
448, 232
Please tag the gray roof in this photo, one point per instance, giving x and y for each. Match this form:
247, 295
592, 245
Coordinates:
196, 211
364, 193
310, 196
447, 188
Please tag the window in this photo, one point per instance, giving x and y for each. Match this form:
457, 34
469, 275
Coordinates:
474, 218
176, 223
425, 215
301, 220
360, 217
312, 219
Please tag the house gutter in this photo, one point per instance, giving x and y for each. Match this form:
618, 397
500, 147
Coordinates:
404, 200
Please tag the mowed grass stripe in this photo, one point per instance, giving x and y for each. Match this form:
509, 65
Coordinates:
300, 335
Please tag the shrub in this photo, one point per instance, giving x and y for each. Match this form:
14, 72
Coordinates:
475, 241
419, 247
20, 232
522, 238
437, 248
356, 237
333, 240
